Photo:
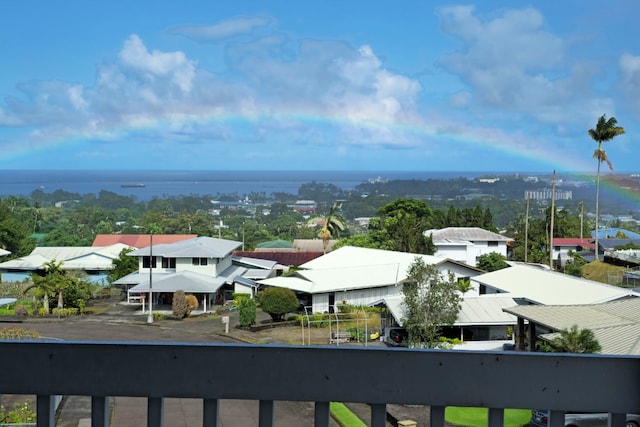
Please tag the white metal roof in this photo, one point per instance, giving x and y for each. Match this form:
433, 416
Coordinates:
550, 288
468, 234
72, 257
202, 247
486, 310
351, 256
3, 252
351, 267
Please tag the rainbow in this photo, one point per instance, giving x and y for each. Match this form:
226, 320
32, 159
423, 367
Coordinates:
412, 133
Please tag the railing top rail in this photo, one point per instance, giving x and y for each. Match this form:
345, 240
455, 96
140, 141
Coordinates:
371, 375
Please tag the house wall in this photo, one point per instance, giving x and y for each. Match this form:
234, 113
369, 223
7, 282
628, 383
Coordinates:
213, 268
320, 302
454, 252
470, 254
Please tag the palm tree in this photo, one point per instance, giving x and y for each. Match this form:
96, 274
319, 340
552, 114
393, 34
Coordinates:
52, 282
573, 340
332, 225
605, 130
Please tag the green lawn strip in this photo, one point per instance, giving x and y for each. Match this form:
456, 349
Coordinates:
478, 417
344, 416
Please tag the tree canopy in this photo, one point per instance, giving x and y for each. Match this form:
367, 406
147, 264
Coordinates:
431, 301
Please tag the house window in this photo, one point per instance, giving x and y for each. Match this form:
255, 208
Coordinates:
168, 263
199, 261
146, 261
494, 244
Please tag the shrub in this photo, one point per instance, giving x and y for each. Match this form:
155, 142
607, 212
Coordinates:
192, 304
18, 334
22, 413
20, 310
247, 312
277, 302
179, 305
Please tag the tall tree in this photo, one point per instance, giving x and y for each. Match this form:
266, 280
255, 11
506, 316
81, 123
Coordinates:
606, 130
332, 225
431, 301
574, 340
401, 225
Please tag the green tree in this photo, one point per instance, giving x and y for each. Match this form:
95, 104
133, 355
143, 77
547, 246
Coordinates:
400, 226
605, 130
431, 301
122, 265
574, 340
492, 261
277, 302
14, 233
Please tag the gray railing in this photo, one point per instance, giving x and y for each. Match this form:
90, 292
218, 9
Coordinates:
376, 376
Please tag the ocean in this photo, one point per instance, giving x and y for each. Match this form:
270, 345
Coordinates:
146, 185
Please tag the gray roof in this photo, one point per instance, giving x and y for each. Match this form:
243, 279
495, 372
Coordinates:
616, 324
72, 257
201, 247
541, 286
486, 310
187, 281
468, 234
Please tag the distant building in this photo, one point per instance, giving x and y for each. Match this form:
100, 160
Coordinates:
305, 206
545, 194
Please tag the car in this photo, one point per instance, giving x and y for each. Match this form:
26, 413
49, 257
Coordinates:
582, 419
396, 337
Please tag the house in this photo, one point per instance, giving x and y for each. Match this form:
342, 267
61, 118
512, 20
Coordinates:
533, 285
357, 276
467, 244
563, 245
481, 318
93, 262
202, 266
615, 324
3, 252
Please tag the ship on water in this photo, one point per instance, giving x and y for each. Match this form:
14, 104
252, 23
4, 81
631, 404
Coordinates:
132, 185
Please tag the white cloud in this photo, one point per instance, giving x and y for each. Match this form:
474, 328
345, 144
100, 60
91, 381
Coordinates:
510, 63
153, 64
222, 30
629, 66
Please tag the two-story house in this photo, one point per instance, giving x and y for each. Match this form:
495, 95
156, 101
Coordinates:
202, 266
467, 244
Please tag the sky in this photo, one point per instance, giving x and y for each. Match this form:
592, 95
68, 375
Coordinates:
318, 85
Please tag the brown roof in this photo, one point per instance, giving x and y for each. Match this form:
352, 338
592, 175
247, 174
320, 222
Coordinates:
283, 258
139, 240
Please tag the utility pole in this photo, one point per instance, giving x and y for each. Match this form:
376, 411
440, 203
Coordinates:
581, 217
526, 231
150, 316
553, 210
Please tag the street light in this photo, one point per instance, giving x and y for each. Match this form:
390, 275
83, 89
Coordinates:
150, 317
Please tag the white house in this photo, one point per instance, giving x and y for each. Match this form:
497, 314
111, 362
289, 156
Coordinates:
481, 318
95, 262
467, 244
202, 266
357, 276
533, 285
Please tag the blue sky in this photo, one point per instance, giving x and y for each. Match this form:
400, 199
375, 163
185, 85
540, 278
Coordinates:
317, 85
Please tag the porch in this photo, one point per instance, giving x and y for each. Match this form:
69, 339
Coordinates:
376, 376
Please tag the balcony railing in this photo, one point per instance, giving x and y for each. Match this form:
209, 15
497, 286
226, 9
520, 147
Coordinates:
377, 376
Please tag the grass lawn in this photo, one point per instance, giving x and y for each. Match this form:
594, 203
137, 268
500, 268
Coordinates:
344, 416
478, 417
